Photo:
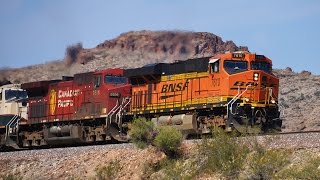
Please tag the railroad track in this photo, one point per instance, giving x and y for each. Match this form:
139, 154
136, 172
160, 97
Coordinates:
81, 145
291, 132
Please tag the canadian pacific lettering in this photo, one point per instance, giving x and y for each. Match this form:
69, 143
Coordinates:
65, 103
64, 97
68, 93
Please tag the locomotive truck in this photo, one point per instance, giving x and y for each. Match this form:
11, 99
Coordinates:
235, 91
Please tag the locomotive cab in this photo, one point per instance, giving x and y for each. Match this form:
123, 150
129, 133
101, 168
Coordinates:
111, 88
244, 71
13, 112
13, 101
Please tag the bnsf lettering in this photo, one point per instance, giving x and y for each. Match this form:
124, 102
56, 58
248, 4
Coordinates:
241, 83
174, 87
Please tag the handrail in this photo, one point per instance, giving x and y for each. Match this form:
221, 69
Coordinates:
112, 112
234, 99
124, 104
118, 108
12, 120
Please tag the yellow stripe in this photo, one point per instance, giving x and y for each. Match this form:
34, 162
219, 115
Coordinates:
183, 104
184, 76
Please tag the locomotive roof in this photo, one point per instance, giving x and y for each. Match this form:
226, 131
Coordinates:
181, 66
38, 84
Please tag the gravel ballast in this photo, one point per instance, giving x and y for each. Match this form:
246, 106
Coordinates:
80, 162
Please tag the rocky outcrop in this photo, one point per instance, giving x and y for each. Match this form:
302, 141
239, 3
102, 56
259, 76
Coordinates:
174, 43
138, 48
300, 100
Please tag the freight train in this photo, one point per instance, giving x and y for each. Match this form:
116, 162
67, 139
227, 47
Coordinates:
235, 91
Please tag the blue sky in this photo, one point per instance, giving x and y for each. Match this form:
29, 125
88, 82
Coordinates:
37, 31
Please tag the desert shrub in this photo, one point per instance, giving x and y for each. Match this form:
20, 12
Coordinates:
179, 169
222, 154
10, 177
142, 132
168, 140
169, 168
264, 164
109, 171
309, 170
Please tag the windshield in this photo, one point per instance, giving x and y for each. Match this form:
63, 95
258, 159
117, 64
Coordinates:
264, 66
233, 67
15, 94
115, 80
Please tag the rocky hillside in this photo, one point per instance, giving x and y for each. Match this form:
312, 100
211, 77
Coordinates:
299, 94
300, 100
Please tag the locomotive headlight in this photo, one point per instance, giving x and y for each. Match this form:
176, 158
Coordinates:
247, 99
256, 76
273, 101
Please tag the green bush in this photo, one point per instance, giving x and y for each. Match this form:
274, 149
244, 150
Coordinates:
170, 169
266, 163
10, 177
168, 140
179, 169
109, 171
142, 132
222, 154
309, 170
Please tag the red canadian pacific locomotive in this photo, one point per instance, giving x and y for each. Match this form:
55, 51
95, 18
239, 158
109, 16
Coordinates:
233, 90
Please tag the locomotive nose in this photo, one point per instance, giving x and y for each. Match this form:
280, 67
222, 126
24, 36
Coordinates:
264, 87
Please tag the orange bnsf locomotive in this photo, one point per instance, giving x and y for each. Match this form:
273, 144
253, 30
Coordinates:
233, 90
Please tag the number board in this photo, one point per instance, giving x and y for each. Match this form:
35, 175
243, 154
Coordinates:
238, 55
260, 57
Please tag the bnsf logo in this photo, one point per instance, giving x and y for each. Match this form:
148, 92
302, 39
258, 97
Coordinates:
174, 87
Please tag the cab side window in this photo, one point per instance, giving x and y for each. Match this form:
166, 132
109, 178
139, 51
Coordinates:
214, 67
97, 81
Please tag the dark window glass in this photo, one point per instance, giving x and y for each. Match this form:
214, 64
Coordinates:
233, 67
264, 66
97, 81
214, 67
15, 95
79, 81
115, 80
